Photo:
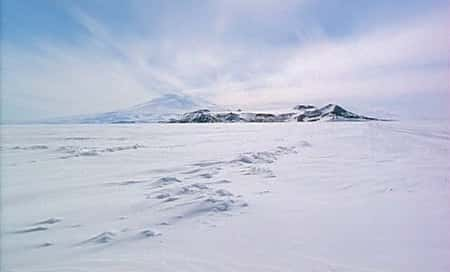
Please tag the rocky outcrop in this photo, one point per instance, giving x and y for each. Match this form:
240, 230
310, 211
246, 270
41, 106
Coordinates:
334, 112
199, 116
304, 107
301, 113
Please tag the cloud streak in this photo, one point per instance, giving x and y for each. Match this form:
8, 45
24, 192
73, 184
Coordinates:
249, 55
392, 61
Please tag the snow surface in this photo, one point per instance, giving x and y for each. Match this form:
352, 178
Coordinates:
226, 197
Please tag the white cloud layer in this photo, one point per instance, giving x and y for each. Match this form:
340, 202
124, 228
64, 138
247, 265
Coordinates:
106, 70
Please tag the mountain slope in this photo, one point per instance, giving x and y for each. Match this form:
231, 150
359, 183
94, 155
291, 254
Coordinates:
174, 108
300, 113
163, 108
336, 113
171, 103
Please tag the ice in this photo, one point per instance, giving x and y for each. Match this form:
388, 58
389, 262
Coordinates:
324, 196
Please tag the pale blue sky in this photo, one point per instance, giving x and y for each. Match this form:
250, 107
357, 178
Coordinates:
74, 57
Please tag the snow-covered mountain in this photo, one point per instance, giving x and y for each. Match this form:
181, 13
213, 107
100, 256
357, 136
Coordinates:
160, 109
330, 112
171, 103
300, 113
174, 108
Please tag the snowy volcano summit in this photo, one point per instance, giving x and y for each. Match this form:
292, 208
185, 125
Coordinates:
160, 109
171, 103
174, 108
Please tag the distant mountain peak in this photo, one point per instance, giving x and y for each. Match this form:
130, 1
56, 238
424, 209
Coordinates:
172, 103
178, 108
333, 108
159, 109
336, 112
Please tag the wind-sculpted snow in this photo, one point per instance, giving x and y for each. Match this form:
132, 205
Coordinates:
32, 229
187, 194
192, 192
71, 151
102, 238
49, 221
77, 151
262, 197
32, 147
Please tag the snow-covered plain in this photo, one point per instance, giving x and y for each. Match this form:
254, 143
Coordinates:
365, 196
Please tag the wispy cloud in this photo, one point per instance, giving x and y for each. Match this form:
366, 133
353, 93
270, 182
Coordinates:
411, 57
248, 54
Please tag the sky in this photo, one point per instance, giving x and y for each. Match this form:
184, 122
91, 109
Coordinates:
70, 57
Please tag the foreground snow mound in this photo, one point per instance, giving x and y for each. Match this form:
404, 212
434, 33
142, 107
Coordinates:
102, 238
